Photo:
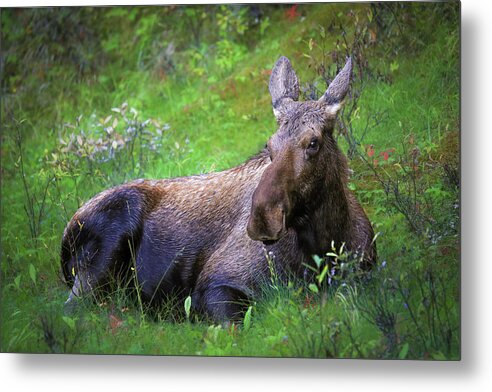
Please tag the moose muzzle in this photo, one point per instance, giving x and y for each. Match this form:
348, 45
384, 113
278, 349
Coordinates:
270, 208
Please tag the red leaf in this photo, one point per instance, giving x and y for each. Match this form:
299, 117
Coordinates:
291, 13
370, 151
386, 154
308, 302
114, 323
233, 330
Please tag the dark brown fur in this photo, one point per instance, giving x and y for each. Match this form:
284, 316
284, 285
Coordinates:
208, 235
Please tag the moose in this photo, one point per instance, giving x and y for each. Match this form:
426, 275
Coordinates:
209, 235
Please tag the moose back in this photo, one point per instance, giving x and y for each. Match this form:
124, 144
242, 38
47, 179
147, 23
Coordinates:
207, 236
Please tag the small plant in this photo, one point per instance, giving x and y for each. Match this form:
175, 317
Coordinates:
274, 278
60, 337
101, 152
117, 138
187, 307
35, 204
33, 273
247, 319
337, 267
232, 23
407, 187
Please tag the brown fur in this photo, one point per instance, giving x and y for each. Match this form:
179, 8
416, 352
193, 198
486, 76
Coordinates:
208, 235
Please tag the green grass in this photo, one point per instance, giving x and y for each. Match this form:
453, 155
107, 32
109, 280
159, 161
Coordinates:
217, 119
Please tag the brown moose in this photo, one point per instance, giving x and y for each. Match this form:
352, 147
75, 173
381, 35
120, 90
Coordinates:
208, 235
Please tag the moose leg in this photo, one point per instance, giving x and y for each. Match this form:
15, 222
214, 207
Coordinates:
76, 293
223, 303
90, 272
103, 262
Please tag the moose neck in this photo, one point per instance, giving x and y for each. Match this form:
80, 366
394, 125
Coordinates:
327, 217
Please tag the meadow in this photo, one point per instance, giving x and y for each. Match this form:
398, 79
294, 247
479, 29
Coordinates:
94, 97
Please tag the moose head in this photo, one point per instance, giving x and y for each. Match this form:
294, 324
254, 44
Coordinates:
305, 160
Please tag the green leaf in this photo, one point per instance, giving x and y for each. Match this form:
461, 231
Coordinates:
187, 306
17, 281
313, 288
318, 260
322, 275
32, 273
247, 319
69, 321
403, 351
439, 356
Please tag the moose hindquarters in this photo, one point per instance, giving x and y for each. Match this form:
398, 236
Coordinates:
99, 240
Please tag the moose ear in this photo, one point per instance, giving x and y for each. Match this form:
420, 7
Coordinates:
283, 86
337, 90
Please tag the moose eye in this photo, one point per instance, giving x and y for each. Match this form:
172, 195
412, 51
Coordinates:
312, 148
313, 144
